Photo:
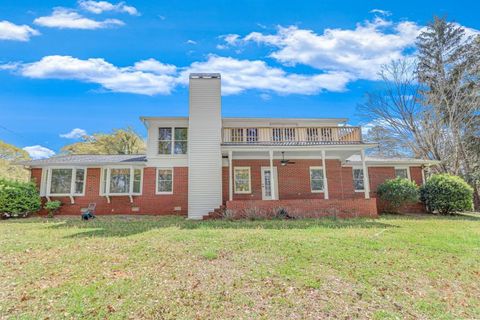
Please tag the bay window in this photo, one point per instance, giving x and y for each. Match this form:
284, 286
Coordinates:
65, 181
172, 140
119, 181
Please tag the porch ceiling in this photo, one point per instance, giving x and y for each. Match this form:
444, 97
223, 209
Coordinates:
292, 154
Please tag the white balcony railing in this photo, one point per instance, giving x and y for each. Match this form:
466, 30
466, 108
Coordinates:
295, 135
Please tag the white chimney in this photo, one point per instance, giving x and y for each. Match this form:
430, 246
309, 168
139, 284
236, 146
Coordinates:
204, 145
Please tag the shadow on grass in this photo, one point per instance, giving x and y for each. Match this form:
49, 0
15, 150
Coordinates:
122, 226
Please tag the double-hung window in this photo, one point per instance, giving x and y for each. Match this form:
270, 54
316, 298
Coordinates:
172, 140
242, 180
164, 181
121, 181
316, 179
358, 182
402, 172
65, 181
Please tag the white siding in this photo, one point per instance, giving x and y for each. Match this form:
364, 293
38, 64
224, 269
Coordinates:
204, 149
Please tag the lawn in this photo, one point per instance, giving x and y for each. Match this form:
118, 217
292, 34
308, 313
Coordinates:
169, 268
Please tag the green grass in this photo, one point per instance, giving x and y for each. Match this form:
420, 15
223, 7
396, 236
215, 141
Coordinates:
169, 268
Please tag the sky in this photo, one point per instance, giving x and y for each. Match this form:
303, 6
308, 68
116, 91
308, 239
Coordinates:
73, 68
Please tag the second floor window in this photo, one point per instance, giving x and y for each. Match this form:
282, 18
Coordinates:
172, 140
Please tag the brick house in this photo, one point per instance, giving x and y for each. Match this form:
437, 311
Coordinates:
197, 164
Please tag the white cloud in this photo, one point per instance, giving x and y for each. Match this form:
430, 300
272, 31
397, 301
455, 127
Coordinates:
11, 31
154, 66
98, 7
359, 51
97, 70
241, 75
381, 12
191, 41
151, 77
76, 133
230, 40
39, 152
63, 18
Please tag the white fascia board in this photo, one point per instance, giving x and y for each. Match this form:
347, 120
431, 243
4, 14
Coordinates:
273, 122
411, 163
89, 165
355, 147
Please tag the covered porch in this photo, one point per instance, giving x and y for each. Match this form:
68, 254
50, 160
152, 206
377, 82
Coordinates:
307, 181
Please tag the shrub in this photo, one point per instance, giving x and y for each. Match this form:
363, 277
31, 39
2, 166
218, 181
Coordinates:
52, 207
397, 193
18, 199
447, 194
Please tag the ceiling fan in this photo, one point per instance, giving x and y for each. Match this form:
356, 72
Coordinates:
284, 161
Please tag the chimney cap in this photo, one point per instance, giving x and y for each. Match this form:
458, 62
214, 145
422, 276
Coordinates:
204, 75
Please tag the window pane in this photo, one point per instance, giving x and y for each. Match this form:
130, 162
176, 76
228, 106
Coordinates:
358, 179
119, 180
316, 174
401, 173
180, 147
317, 185
165, 180
181, 133
316, 179
137, 180
164, 133
61, 182
242, 180
79, 181
104, 181
165, 147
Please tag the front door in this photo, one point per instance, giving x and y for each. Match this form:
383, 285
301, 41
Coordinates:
267, 183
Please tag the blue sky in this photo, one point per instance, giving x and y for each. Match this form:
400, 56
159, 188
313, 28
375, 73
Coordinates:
96, 65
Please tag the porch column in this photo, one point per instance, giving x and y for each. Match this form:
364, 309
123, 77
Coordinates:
366, 182
272, 175
230, 177
325, 181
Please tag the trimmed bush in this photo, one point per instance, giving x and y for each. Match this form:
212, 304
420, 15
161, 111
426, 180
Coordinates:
447, 194
397, 193
18, 199
52, 207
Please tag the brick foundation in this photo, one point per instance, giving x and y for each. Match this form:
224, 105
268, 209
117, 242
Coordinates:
304, 208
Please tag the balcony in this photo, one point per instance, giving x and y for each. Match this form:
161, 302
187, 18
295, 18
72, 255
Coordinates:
296, 136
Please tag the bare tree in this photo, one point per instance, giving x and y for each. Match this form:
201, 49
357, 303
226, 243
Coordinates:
397, 108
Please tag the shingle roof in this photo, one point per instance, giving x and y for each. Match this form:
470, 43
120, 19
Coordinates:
87, 159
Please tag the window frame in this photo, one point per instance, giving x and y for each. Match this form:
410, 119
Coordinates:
395, 168
353, 179
249, 191
157, 180
172, 141
105, 175
48, 178
310, 179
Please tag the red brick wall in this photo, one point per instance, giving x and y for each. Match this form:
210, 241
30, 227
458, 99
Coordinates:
294, 180
147, 203
294, 183
305, 208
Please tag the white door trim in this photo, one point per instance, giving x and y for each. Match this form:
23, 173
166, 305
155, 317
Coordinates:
263, 169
